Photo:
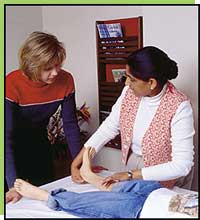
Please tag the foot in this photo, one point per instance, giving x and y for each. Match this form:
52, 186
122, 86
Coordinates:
85, 169
88, 175
28, 190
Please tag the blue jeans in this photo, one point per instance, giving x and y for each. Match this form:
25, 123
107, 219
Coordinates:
124, 201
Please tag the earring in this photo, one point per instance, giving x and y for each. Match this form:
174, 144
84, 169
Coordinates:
151, 88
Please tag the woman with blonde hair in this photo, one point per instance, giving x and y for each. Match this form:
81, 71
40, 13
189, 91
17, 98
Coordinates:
33, 94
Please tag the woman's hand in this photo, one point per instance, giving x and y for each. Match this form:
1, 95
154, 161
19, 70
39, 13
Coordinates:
75, 167
121, 176
116, 177
12, 196
92, 153
75, 170
76, 176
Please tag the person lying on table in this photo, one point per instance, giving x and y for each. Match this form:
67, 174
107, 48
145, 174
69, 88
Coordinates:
117, 200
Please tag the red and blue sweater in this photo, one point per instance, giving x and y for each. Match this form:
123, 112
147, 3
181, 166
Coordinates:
29, 106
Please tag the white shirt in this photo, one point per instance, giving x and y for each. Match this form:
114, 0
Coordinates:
182, 132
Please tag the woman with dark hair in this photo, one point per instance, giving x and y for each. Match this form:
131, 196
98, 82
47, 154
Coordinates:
154, 119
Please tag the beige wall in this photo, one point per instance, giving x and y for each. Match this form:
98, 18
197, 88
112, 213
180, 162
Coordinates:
20, 21
174, 29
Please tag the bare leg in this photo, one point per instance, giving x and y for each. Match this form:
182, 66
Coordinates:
90, 176
28, 190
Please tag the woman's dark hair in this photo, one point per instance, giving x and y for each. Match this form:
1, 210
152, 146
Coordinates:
151, 62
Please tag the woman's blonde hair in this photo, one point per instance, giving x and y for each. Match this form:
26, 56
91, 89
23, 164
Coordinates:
39, 51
